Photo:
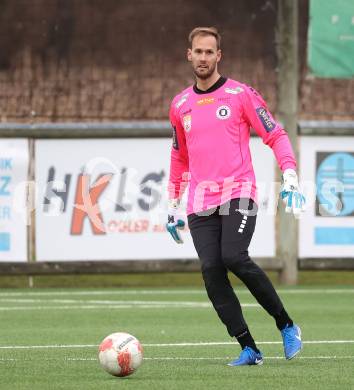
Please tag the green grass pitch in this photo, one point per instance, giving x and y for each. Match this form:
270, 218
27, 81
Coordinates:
49, 339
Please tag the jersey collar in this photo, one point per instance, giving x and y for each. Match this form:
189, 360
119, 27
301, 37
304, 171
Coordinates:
221, 81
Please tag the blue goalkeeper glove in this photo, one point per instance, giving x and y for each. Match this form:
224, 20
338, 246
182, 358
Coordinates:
293, 199
174, 223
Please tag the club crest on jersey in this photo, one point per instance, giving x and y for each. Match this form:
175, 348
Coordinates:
264, 116
187, 123
223, 112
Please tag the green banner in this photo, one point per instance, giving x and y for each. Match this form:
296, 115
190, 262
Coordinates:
331, 38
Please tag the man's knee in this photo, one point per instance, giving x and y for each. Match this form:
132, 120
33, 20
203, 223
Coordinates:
214, 274
235, 261
214, 278
217, 285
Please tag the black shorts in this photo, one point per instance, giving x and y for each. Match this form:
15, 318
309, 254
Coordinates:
226, 230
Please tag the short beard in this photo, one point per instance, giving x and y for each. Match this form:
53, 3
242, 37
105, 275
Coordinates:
205, 76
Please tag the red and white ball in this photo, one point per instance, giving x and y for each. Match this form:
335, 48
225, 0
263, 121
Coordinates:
120, 354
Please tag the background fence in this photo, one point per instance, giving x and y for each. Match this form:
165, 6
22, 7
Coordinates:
125, 60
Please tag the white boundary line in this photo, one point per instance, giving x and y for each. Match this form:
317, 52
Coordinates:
24, 300
110, 302
228, 358
188, 358
258, 342
166, 292
168, 305
200, 344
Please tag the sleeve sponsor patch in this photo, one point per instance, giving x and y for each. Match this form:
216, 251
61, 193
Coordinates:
182, 100
264, 116
175, 139
254, 91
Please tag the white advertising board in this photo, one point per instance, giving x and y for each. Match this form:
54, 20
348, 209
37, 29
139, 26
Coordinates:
125, 182
327, 176
13, 178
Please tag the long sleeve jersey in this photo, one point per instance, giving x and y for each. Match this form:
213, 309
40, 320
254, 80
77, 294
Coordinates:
210, 150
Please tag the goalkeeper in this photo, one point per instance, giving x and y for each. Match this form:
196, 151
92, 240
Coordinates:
211, 123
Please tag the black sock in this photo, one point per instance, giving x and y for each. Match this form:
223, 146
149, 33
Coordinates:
246, 340
282, 319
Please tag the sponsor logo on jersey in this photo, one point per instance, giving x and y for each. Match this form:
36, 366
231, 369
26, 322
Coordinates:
206, 100
182, 100
223, 112
175, 139
243, 211
234, 91
187, 112
187, 123
264, 116
225, 99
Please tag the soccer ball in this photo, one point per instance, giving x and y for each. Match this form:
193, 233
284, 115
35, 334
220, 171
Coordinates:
120, 354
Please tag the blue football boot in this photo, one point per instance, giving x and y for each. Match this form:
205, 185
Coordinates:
248, 357
291, 341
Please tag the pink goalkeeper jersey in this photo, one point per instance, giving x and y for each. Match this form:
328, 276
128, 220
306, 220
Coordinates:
210, 151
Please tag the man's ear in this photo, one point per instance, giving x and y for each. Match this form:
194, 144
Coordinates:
189, 54
218, 55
